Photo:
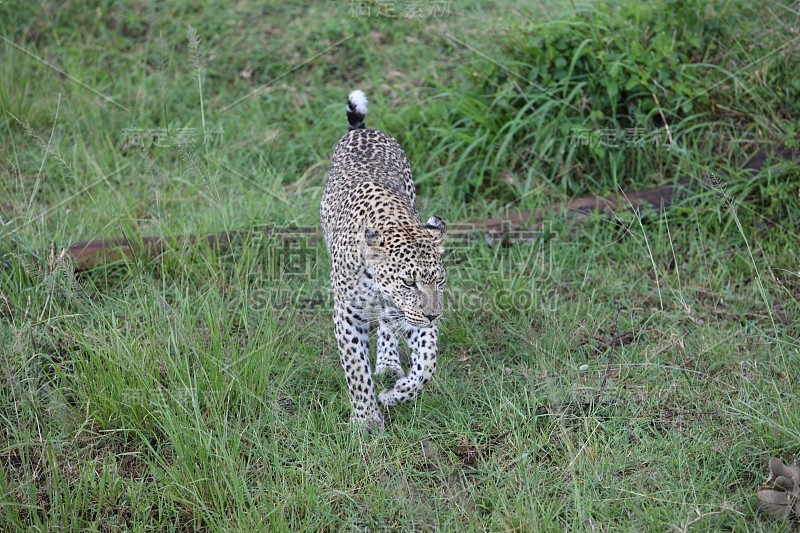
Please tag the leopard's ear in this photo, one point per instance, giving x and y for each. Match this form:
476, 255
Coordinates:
437, 229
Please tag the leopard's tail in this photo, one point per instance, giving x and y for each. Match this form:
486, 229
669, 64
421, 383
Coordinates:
356, 110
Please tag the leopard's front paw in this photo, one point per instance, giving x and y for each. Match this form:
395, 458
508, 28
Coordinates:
389, 370
369, 422
389, 397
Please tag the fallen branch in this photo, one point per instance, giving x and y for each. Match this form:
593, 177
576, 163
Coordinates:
88, 254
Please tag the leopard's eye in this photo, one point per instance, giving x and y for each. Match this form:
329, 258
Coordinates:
409, 283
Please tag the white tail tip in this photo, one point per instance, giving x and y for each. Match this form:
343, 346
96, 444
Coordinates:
358, 102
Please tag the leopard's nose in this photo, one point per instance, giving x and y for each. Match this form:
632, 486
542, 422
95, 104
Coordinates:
433, 317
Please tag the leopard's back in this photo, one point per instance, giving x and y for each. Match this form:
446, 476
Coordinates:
365, 156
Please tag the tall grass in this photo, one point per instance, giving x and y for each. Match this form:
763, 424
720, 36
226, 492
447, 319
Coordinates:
202, 390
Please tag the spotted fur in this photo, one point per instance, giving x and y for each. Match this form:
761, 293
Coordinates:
386, 267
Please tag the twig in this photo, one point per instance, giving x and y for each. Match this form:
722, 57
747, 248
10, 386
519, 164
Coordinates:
663, 118
727, 313
723, 509
610, 355
568, 407
620, 340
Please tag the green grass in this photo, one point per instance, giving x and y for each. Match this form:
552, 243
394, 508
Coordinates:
202, 390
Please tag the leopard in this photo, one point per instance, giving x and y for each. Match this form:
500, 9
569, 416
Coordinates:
387, 275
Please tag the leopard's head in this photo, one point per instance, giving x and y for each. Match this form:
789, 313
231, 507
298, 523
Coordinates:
406, 263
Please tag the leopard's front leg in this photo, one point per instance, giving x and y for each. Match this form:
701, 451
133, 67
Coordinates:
352, 335
388, 358
423, 343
